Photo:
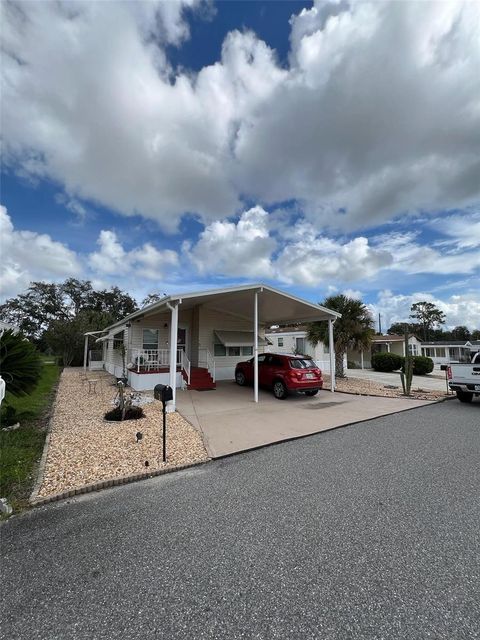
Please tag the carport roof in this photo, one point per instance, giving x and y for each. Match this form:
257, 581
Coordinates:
274, 306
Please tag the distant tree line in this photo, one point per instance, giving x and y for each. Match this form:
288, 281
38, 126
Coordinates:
427, 325
55, 317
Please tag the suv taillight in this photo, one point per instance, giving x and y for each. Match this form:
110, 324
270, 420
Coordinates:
449, 373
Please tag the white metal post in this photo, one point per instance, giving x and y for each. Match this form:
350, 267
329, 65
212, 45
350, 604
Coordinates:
361, 358
85, 354
332, 355
173, 354
255, 348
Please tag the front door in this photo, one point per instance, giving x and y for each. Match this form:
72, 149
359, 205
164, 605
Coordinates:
182, 340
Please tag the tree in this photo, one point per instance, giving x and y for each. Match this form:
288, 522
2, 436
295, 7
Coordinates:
475, 335
354, 330
399, 328
151, 298
20, 363
428, 315
461, 333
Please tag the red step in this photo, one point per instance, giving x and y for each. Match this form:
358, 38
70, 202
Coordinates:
200, 379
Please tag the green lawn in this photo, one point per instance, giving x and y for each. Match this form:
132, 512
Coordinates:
21, 449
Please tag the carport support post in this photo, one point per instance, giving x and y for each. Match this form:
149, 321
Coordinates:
361, 358
173, 354
255, 348
85, 354
331, 349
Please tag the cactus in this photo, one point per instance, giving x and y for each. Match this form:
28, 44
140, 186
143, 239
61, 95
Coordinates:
407, 374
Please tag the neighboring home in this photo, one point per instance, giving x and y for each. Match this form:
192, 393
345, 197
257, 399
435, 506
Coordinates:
195, 339
384, 344
445, 351
294, 340
475, 346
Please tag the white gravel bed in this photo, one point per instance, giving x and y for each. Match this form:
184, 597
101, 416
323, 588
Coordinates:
370, 388
84, 448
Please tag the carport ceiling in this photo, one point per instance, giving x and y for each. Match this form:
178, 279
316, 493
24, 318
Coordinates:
274, 306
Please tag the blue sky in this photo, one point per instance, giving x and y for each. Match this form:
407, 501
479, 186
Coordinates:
201, 144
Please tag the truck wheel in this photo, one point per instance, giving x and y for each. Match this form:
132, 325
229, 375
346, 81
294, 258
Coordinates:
279, 390
464, 396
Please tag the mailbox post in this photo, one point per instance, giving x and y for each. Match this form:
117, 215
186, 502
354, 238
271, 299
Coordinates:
163, 393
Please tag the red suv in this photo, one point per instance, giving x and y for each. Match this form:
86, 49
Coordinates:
283, 373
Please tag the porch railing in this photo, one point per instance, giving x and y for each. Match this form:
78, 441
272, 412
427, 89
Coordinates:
205, 359
148, 359
185, 364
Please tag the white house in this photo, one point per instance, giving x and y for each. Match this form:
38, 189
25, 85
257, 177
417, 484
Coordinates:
294, 340
195, 339
447, 351
384, 344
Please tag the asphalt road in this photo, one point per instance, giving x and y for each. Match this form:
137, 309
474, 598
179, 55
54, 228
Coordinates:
369, 531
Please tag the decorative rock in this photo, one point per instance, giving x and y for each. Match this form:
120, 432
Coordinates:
5, 507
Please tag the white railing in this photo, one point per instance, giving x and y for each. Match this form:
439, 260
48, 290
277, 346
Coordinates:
205, 359
185, 364
148, 359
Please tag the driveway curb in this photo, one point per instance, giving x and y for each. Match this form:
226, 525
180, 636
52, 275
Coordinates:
104, 484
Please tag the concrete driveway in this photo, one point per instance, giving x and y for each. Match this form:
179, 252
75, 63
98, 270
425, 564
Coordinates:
432, 382
231, 422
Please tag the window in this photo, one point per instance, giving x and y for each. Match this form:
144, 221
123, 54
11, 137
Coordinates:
150, 339
118, 340
280, 342
302, 363
300, 345
276, 362
247, 351
413, 349
440, 352
219, 350
233, 351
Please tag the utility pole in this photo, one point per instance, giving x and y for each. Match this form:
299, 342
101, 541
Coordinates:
379, 324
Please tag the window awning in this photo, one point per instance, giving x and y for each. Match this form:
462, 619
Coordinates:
238, 338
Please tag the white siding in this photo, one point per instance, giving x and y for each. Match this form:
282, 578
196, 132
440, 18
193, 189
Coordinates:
209, 320
319, 354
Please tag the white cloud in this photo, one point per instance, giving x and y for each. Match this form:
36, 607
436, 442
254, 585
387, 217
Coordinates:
460, 309
28, 256
377, 112
243, 249
141, 262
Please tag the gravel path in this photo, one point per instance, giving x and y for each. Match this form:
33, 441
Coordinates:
84, 448
370, 388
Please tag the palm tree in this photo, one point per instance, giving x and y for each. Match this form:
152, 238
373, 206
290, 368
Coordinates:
20, 363
354, 330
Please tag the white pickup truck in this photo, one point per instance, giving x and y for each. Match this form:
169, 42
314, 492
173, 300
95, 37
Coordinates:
464, 379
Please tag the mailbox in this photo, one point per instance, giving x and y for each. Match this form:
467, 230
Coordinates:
162, 392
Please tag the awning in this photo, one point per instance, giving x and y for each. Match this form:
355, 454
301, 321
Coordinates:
238, 338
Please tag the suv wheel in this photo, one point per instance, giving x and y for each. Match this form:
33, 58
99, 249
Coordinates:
240, 378
279, 390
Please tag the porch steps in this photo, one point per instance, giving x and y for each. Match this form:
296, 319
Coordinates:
200, 379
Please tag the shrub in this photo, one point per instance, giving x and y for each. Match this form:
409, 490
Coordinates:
132, 413
422, 365
20, 363
386, 361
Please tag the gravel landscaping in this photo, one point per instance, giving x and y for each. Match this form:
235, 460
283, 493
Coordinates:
370, 388
84, 448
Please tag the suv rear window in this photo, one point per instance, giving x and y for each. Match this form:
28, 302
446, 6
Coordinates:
302, 363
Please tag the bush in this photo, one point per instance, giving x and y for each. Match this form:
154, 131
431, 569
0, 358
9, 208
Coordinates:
132, 413
20, 363
386, 361
422, 365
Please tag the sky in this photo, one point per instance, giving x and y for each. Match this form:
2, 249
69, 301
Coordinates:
322, 148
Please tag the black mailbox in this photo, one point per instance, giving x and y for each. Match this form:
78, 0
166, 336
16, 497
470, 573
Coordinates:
163, 392
443, 367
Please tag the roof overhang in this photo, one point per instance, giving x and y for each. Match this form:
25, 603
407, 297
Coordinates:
274, 306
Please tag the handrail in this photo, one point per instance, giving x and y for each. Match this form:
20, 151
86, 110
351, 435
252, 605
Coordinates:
185, 364
209, 361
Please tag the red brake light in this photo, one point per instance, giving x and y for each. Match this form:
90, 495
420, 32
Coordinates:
449, 373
